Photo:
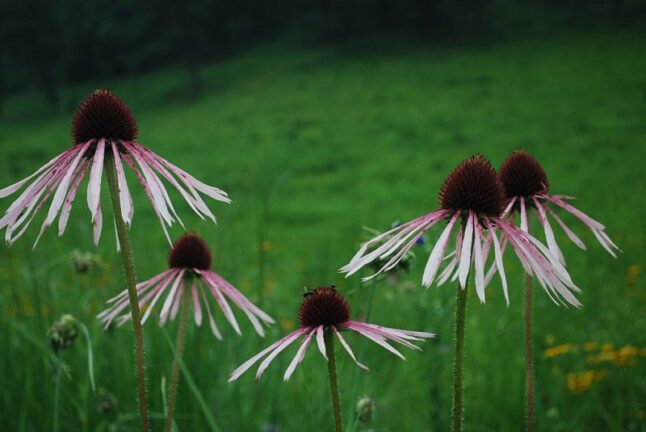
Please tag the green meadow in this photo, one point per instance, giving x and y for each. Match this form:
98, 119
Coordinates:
312, 145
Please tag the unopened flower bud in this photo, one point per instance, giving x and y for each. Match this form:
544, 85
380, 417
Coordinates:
365, 410
63, 332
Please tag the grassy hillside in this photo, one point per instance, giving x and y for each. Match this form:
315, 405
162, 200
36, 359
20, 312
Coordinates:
312, 145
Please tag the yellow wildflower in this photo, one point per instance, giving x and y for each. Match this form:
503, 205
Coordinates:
607, 347
549, 339
632, 273
590, 346
582, 382
558, 350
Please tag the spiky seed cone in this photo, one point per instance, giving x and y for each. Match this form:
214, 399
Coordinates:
103, 115
522, 175
324, 306
189, 252
473, 185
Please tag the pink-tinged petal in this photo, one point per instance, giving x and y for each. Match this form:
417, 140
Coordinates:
11, 189
591, 223
20, 210
549, 233
348, 349
299, 356
125, 199
98, 224
158, 200
499, 263
252, 312
478, 262
605, 242
177, 303
170, 280
435, 259
193, 200
61, 191
197, 309
212, 325
146, 189
446, 273
67, 205
465, 253
224, 305
510, 205
94, 184
458, 249
320, 342
277, 350
373, 336
253, 360
163, 316
211, 191
395, 238
524, 223
573, 237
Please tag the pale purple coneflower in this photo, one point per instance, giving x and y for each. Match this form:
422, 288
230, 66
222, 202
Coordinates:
323, 313
103, 130
189, 264
526, 187
471, 202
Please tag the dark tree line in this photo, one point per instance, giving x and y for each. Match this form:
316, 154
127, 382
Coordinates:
47, 43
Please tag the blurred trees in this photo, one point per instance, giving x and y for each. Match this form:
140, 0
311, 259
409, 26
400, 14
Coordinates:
45, 44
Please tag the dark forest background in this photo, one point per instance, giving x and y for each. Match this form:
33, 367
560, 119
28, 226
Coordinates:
47, 44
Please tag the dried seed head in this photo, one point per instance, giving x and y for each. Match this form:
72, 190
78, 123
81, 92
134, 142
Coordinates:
522, 175
473, 185
190, 252
323, 306
103, 115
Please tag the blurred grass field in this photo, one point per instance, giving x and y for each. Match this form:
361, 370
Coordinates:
312, 145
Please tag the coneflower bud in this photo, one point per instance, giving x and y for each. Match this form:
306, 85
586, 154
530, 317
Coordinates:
103, 115
188, 252
522, 176
324, 306
365, 410
83, 261
63, 333
473, 185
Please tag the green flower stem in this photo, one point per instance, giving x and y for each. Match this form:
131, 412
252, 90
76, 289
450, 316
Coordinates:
334, 387
57, 389
529, 356
179, 347
458, 371
131, 279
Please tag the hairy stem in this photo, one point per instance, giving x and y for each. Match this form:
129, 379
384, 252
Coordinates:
458, 373
529, 356
179, 347
57, 389
131, 279
334, 387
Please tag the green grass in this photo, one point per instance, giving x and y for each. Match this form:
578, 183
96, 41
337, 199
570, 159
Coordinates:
311, 145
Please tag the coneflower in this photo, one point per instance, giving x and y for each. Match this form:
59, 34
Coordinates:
471, 202
187, 281
104, 135
189, 276
323, 315
527, 188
